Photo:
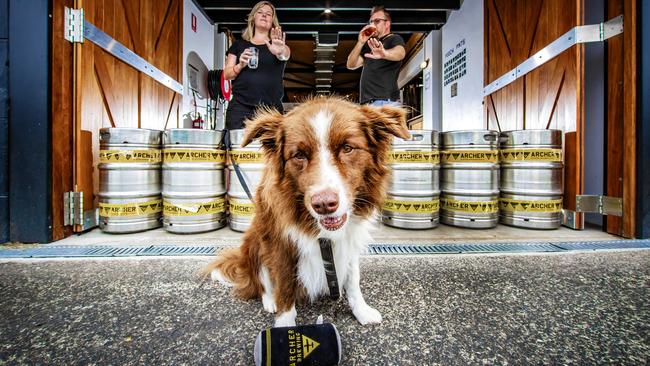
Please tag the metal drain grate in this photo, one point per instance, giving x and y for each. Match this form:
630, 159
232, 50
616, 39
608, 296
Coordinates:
610, 244
59, 251
385, 249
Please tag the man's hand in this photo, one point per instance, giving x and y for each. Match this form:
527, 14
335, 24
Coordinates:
366, 32
377, 49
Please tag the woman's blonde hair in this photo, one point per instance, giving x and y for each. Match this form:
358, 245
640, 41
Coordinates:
250, 27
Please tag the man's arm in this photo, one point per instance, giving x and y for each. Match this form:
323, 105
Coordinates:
355, 60
377, 51
396, 53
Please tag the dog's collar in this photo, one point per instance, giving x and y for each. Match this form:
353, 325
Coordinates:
330, 268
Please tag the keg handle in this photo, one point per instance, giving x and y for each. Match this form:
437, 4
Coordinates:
416, 137
489, 137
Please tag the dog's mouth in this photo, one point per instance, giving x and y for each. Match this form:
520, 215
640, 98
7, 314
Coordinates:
333, 223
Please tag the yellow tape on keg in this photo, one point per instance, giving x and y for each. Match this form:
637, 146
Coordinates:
130, 209
241, 209
130, 156
246, 157
544, 206
530, 155
470, 206
470, 156
194, 209
194, 156
432, 157
415, 207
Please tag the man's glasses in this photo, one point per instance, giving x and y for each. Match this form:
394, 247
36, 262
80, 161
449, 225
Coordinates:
376, 21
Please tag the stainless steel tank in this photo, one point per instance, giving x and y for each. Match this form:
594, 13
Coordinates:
413, 195
250, 161
531, 178
470, 178
129, 179
194, 187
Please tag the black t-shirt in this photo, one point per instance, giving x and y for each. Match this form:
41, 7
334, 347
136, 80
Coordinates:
253, 87
379, 77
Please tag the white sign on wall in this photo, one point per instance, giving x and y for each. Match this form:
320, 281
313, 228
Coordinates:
462, 68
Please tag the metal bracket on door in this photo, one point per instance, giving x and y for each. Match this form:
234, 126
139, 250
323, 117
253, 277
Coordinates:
579, 34
73, 214
115, 48
603, 205
572, 220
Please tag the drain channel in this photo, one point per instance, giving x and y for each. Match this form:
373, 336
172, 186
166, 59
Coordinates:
58, 251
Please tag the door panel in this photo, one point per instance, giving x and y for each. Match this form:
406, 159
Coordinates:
107, 92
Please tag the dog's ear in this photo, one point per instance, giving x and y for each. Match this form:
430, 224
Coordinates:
265, 127
386, 121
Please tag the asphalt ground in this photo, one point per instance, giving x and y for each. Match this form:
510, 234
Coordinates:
555, 308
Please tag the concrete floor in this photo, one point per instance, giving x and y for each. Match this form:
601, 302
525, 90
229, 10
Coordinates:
557, 308
382, 234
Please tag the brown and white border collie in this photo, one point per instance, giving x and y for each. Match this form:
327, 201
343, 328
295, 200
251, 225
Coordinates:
325, 177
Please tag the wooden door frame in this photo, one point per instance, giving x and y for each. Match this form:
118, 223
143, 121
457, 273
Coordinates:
622, 106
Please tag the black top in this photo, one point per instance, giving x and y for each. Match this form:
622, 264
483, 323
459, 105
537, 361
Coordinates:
263, 85
379, 77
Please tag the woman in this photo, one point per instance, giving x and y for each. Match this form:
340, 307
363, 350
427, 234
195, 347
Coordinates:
253, 87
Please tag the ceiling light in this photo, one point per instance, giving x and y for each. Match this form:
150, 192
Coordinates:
424, 64
328, 11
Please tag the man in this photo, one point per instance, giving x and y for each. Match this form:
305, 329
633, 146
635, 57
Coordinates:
383, 53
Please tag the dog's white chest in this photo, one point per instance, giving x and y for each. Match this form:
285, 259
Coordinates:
311, 270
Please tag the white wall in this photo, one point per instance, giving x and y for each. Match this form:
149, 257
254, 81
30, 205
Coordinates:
463, 32
201, 42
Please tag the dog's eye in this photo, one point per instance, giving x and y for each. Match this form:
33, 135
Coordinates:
347, 148
300, 155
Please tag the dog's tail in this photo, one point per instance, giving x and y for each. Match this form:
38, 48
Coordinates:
237, 267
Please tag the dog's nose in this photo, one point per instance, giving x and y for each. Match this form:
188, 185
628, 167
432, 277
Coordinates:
325, 202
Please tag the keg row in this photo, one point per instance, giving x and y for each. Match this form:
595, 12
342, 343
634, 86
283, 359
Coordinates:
181, 186
475, 179
464, 178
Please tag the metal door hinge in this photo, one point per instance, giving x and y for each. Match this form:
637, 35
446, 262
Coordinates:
74, 214
73, 25
603, 205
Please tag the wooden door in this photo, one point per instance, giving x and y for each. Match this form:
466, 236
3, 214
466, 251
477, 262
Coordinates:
107, 92
549, 96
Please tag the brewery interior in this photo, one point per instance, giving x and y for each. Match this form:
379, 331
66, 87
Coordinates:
491, 76
516, 229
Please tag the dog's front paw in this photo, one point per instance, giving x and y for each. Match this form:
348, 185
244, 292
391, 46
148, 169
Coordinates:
367, 315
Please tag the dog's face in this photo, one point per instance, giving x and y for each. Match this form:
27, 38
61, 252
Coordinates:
327, 159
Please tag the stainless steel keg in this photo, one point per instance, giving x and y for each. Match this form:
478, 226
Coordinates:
129, 179
413, 195
470, 178
194, 187
250, 162
531, 178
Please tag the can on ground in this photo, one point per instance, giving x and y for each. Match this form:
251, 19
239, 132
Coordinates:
469, 178
194, 187
531, 178
250, 162
129, 180
413, 194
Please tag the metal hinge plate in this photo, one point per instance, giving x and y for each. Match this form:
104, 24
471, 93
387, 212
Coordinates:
603, 205
73, 25
73, 213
